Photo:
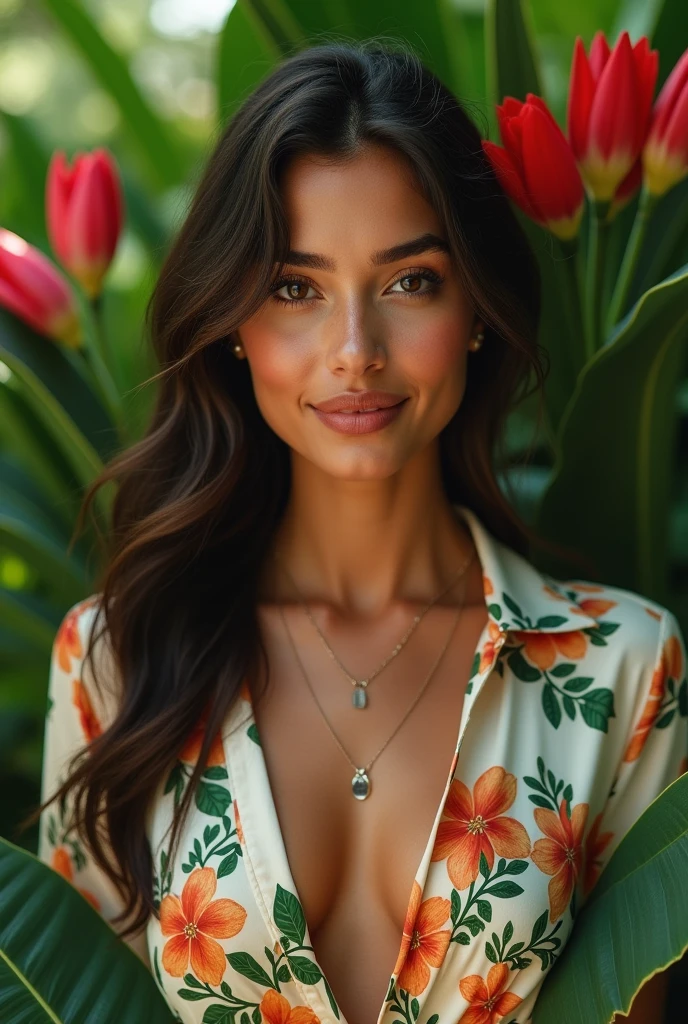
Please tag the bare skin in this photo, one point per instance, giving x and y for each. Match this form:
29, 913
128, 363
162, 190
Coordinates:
369, 536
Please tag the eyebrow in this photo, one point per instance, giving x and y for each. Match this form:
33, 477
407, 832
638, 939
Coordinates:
428, 242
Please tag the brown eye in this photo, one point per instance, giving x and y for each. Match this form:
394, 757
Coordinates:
293, 287
411, 277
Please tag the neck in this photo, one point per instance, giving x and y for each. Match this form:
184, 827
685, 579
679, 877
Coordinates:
362, 545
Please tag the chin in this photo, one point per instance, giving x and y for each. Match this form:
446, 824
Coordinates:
362, 466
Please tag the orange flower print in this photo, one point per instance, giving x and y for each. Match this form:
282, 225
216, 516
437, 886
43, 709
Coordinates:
670, 667
67, 641
560, 854
276, 1010
491, 646
488, 1001
62, 863
594, 607
476, 825
90, 726
543, 649
424, 942
192, 747
595, 845
488, 589
193, 923
237, 822
245, 693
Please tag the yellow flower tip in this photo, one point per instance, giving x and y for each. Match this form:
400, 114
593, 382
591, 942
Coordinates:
68, 332
567, 228
661, 171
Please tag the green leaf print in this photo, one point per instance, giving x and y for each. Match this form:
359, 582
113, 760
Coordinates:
597, 707
548, 789
544, 947
522, 669
212, 799
288, 915
248, 967
550, 705
307, 972
493, 884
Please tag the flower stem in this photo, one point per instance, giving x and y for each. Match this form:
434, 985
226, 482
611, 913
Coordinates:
597, 246
617, 305
571, 289
94, 355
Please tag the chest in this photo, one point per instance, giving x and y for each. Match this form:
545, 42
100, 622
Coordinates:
354, 862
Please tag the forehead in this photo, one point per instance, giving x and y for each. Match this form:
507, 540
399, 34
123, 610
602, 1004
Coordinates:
363, 203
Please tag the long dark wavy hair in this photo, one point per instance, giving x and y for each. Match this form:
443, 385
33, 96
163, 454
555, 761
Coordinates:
200, 496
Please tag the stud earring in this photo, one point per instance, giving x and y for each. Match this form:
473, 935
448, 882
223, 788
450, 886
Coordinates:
238, 350
475, 343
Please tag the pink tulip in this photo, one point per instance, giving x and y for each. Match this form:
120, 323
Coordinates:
609, 105
84, 212
34, 290
665, 157
536, 167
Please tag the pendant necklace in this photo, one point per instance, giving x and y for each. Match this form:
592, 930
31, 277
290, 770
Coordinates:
359, 695
361, 784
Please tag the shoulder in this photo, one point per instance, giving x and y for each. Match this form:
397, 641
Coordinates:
87, 684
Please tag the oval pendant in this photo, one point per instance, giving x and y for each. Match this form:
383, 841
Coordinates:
360, 784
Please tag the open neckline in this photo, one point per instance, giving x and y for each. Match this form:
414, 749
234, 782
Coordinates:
267, 870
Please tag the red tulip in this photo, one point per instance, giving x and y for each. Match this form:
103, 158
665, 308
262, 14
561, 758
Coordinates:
84, 211
665, 157
609, 105
536, 167
33, 289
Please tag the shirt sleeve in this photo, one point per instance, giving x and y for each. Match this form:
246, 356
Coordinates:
655, 751
75, 716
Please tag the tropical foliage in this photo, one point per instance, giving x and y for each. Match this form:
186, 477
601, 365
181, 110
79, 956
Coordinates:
593, 150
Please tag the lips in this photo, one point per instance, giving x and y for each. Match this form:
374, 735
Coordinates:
359, 401
360, 412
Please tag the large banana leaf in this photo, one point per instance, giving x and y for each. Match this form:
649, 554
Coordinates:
614, 472
634, 924
60, 962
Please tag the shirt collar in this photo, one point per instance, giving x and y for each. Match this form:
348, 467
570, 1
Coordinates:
519, 597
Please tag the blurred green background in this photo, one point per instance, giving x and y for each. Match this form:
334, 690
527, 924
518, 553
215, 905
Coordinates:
153, 81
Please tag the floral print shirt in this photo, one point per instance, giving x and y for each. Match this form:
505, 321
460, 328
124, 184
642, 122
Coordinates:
574, 721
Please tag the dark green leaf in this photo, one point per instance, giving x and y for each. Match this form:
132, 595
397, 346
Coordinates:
484, 909
522, 669
212, 799
504, 890
248, 967
288, 915
550, 705
578, 684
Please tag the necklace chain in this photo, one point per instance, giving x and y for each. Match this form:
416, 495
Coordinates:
396, 650
361, 785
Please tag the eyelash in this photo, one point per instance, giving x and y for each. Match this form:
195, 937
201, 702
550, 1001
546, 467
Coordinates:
428, 275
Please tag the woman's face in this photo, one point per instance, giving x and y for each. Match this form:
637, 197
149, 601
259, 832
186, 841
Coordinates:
350, 315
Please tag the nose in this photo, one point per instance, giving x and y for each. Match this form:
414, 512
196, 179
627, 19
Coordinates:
354, 349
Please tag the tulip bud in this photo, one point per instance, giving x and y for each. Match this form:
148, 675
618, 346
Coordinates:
84, 211
536, 167
609, 104
665, 156
34, 290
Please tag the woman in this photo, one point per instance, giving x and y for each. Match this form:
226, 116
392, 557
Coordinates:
344, 322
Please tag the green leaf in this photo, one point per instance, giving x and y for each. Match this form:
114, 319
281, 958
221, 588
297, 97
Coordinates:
248, 967
597, 707
288, 915
42, 915
569, 706
305, 970
490, 952
633, 488
634, 923
484, 909
578, 684
550, 705
474, 924
522, 669
484, 867
516, 867
212, 799
504, 890
215, 771
511, 63
108, 67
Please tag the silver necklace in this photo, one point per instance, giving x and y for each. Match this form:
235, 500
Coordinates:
361, 784
359, 695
